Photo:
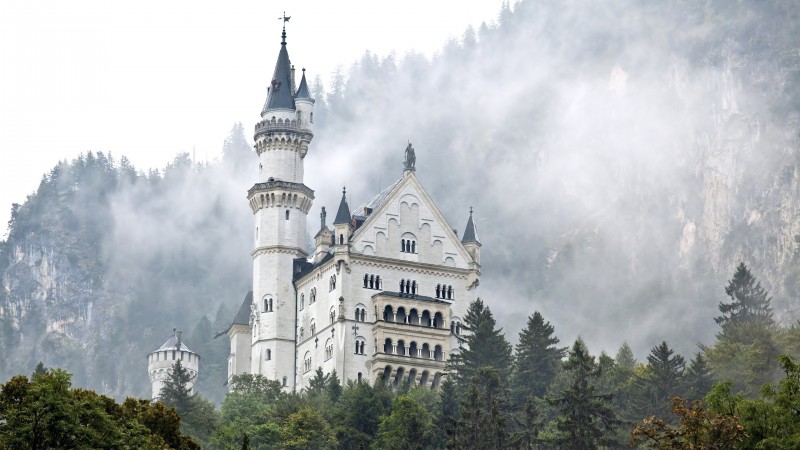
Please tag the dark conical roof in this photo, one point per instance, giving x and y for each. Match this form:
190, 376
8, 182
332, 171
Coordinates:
343, 214
302, 91
469, 234
243, 316
280, 89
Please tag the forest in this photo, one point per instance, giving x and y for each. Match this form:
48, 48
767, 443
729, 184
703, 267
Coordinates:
741, 392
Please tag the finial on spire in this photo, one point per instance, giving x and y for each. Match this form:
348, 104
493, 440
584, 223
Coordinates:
285, 19
344, 190
470, 211
410, 159
322, 217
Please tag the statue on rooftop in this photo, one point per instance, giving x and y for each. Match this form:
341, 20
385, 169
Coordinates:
410, 159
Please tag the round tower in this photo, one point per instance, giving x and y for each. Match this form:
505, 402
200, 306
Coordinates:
160, 362
280, 203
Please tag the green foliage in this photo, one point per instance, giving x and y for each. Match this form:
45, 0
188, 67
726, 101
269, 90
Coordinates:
585, 418
360, 409
484, 412
749, 301
198, 415
537, 359
484, 345
698, 378
45, 412
662, 380
307, 430
408, 427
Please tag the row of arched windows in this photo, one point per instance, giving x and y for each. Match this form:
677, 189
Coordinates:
372, 281
408, 286
400, 377
412, 350
444, 291
408, 246
413, 317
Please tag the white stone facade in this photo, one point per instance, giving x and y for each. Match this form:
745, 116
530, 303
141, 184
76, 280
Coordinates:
383, 294
161, 361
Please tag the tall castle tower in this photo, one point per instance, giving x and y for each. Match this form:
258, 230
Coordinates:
280, 203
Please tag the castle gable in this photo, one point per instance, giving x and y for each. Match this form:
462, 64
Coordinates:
404, 223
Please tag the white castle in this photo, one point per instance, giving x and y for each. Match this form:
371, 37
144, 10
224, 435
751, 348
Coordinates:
383, 293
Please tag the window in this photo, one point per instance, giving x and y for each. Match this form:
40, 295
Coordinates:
372, 281
269, 355
341, 239
313, 296
333, 314
268, 304
307, 363
444, 291
287, 214
361, 312
284, 381
408, 287
313, 328
359, 377
312, 117
408, 245
332, 283
328, 350
302, 301
360, 344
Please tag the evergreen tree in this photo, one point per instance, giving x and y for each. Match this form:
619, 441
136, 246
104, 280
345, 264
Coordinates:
334, 387
537, 359
447, 417
749, 301
484, 409
585, 419
176, 391
408, 427
625, 358
698, 378
483, 345
662, 380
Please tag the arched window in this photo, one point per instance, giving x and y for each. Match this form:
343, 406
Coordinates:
403, 245
377, 281
413, 243
360, 343
401, 347
402, 286
388, 314
302, 301
414, 287
366, 279
333, 282
287, 214
449, 292
412, 349
341, 239
437, 353
438, 320
372, 281
307, 363
438, 289
426, 351
387, 346
313, 296
333, 314
413, 317
328, 350
313, 327
269, 354
400, 316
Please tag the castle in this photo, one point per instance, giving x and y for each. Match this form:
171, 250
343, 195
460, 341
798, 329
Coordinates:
381, 296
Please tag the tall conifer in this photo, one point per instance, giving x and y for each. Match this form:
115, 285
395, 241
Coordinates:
483, 345
537, 359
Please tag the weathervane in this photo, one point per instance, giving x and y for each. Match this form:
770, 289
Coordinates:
285, 19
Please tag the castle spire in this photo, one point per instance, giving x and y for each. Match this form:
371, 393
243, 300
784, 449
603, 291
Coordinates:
302, 91
343, 214
469, 233
280, 95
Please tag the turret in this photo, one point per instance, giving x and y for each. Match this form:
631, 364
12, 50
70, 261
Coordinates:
161, 361
323, 240
304, 105
470, 241
342, 225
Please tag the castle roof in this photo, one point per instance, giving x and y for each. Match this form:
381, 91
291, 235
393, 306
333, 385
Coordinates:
343, 214
243, 315
302, 91
280, 90
172, 344
469, 233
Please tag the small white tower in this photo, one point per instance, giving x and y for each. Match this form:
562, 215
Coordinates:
160, 362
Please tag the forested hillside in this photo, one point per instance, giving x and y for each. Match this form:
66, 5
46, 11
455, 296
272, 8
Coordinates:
622, 157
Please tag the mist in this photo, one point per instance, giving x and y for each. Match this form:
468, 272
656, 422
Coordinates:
622, 158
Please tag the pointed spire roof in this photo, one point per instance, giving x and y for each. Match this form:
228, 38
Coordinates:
280, 88
343, 215
469, 234
302, 91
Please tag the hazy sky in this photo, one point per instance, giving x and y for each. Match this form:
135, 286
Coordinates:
150, 79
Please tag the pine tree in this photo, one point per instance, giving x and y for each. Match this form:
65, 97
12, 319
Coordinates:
484, 345
538, 359
698, 378
448, 416
484, 421
662, 380
625, 358
585, 419
749, 301
176, 391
